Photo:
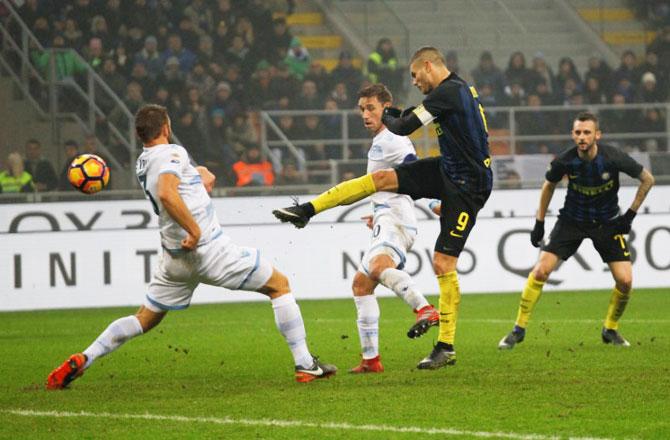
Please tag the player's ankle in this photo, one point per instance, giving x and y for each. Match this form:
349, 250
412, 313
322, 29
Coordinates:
445, 346
308, 209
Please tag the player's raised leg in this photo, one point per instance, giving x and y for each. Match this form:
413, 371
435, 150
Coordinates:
115, 335
529, 298
622, 271
290, 324
345, 193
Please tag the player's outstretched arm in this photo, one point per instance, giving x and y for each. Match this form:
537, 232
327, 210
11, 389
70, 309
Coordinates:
177, 209
399, 123
625, 221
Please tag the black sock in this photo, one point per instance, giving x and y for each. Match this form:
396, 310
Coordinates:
445, 346
308, 208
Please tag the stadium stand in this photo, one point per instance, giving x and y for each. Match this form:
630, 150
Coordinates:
237, 74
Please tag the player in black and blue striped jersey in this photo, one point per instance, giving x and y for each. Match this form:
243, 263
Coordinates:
461, 175
591, 210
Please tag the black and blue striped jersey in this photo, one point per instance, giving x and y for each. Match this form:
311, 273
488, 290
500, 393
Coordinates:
592, 185
461, 132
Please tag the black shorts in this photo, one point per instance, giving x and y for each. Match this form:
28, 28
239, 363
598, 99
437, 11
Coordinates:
425, 179
567, 235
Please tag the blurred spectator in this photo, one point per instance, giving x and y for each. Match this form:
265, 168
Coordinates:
542, 72
94, 54
308, 97
593, 93
42, 30
150, 57
140, 75
518, 73
222, 39
44, 175
290, 175
238, 53
261, 95
648, 90
224, 101
534, 122
175, 49
661, 47
253, 170
172, 77
71, 149
99, 29
627, 69
283, 83
113, 15
619, 119
31, 10
72, 35
601, 71
201, 16
82, 11
344, 72
191, 136
652, 122
567, 72
341, 96
488, 99
135, 40
487, 72
278, 41
114, 80
241, 134
297, 59
15, 178
542, 90
189, 36
383, 66
515, 95
90, 146
205, 52
625, 88
452, 62
200, 79
66, 63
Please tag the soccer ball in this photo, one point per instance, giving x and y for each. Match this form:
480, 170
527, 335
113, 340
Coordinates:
88, 173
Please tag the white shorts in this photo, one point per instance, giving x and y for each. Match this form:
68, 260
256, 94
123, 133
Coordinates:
217, 263
391, 238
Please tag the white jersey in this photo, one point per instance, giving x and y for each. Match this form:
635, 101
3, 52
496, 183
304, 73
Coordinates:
388, 150
173, 159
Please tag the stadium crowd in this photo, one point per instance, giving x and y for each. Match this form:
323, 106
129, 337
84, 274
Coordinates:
214, 63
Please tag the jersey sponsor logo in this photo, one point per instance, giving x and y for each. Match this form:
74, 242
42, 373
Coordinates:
454, 234
376, 152
592, 190
605, 176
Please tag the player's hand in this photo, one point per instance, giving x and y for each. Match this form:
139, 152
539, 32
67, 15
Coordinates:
436, 207
624, 222
407, 111
391, 112
537, 234
190, 242
368, 221
208, 178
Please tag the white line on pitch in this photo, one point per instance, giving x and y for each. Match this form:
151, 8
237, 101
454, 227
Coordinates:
508, 321
294, 424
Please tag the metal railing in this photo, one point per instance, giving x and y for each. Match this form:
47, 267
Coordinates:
78, 95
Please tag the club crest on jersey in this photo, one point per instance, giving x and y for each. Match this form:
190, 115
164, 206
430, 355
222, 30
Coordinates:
605, 175
376, 153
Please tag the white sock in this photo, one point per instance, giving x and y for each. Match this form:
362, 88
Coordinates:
290, 325
117, 333
368, 325
403, 286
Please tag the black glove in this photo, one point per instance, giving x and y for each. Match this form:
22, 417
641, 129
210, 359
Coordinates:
537, 233
407, 111
624, 222
391, 112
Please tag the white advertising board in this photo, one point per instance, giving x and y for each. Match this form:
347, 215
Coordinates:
91, 254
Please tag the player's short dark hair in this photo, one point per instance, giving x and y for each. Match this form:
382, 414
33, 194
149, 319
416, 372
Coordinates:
149, 121
379, 91
429, 53
587, 116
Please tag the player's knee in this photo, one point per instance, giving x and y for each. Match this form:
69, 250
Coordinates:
541, 272
624, 284
379, 265
279, 285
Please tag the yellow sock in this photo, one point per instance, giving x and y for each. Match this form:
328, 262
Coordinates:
618, 302
345, 193
450, 298
529, 296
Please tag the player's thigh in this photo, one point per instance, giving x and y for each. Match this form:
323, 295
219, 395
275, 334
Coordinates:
421, 179
173, 282
390, 239
611, 245
225, 264
457, 218
564, 239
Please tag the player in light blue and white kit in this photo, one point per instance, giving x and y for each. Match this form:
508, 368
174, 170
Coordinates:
194, 251
394, 228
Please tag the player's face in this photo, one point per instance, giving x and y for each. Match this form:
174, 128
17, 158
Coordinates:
420, 79
585, 134
371, 112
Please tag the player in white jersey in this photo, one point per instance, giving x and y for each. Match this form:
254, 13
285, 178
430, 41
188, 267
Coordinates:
394, 228
194, 251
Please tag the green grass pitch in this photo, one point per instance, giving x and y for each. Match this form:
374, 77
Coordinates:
223, 371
